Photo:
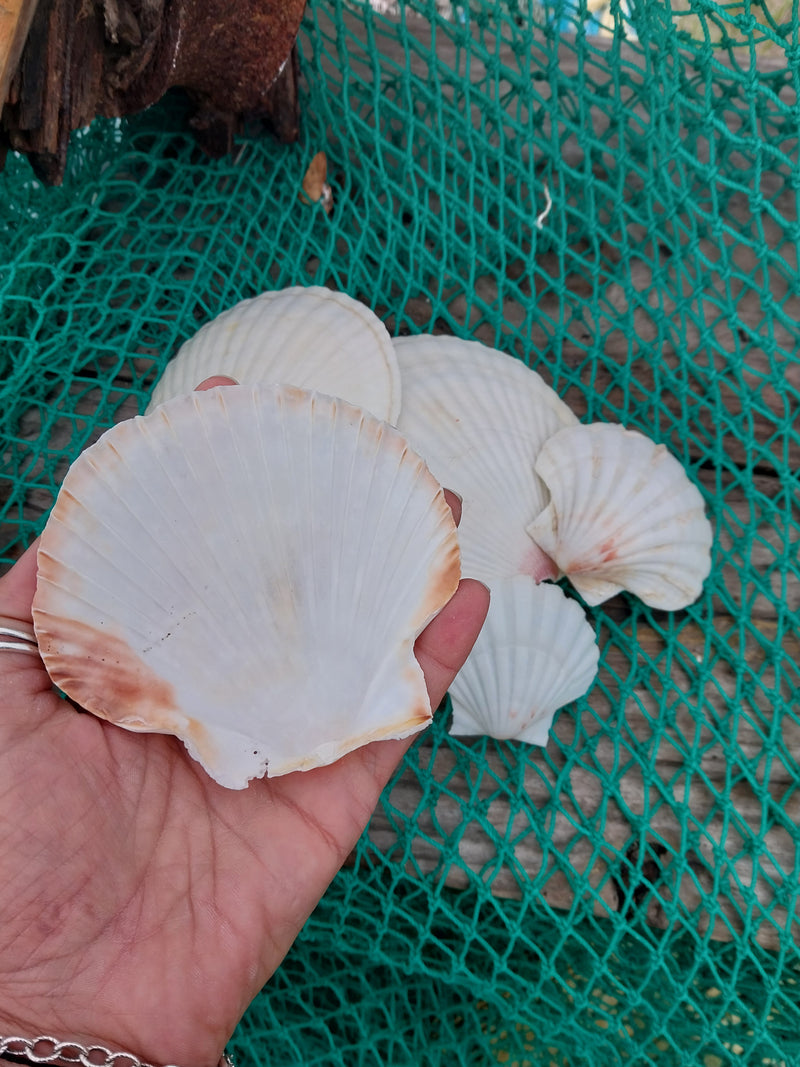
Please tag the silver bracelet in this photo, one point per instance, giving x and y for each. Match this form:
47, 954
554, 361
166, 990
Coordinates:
70, 1052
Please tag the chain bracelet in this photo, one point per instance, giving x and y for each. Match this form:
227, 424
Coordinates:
70, 1052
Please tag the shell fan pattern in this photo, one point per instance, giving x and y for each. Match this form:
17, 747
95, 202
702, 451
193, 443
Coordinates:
543, 497
311, 337
248, 567
479, 418
535, 653
622, 515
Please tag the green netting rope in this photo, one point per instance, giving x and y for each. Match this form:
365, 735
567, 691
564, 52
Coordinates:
621, 212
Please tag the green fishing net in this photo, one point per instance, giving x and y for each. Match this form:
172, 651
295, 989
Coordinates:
611, 194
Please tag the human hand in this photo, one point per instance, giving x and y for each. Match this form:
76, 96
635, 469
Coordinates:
143, 905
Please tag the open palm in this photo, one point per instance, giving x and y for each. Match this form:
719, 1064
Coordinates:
143, 905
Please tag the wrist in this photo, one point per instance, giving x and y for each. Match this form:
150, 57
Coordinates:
39, 1050
47, 1051
148, 1038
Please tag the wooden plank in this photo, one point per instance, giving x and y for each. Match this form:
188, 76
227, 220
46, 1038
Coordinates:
724, 385
717, 846
697, 288
578, 811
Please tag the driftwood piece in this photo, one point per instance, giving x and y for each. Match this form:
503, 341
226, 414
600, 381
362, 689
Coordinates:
116, 57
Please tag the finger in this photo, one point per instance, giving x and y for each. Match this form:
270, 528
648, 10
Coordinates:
446, 642
213, 382
454, 500
441, 649
18, 586
361, 775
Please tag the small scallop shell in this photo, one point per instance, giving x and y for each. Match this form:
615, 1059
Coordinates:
247, 568
535, 653
310, 337
623, 515
479, 418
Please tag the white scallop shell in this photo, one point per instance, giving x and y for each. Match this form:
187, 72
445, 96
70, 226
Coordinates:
247, 568
623, 515
479, 418
535, 653
310, 337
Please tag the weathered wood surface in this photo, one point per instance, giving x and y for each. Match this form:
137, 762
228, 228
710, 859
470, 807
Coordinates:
694, 803
68, 61
691, 800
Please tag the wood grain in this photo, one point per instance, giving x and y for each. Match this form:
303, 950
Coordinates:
69, 61
686, 300
578, 811
719, 854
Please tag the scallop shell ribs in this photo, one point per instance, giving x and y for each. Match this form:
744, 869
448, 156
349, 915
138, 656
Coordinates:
307, 336
623, 514
536, 653
247, 568
479, 417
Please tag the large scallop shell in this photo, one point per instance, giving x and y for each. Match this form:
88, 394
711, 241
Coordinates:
310, 337
247, 568
623, 515
535, 653
479, 418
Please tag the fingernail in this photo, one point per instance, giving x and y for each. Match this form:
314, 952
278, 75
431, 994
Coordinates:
213, 381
